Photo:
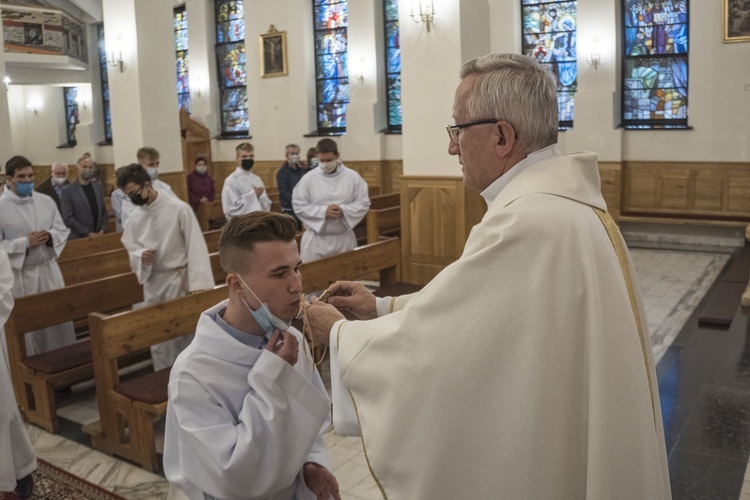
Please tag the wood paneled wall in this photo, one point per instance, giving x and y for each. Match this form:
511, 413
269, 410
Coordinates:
437, 214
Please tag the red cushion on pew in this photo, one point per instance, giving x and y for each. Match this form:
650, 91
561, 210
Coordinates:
149, 389
59, 360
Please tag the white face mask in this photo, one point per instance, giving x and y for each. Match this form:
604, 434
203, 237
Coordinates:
201, 169
294, 159
328, 167
153, 172
58, 181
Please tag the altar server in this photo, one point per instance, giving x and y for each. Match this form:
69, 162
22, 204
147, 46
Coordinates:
330, 201
243, 191
167, 250
33, 234
247, 408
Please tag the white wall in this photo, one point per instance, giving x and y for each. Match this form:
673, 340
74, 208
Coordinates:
282, 110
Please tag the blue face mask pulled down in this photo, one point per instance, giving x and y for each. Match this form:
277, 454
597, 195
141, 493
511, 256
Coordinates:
24, 188
263, 315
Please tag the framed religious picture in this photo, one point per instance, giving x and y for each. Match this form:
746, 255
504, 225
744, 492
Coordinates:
273, 60
736, 20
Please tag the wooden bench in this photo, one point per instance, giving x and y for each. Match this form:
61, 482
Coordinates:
208, 212
35, 378
87, 267
87, 246
128, 410
387, 219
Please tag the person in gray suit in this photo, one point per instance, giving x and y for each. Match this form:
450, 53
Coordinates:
82, 203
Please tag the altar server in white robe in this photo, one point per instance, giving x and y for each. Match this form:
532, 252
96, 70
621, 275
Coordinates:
243, 191
524, 369
330, 201
148, 158
17, 457
167, 250
33, 234
247, 409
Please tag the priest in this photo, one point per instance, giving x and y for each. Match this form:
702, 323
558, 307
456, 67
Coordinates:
524, 369
330, 201
33, 234
168, 253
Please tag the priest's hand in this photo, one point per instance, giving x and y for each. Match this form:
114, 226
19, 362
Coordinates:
37, 238
320, 481
284, 345
321, 317
352, 296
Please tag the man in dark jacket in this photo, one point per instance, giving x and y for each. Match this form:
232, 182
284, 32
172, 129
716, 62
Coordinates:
53, 186
287, 177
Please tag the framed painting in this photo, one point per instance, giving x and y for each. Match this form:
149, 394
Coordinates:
273, 60
736, 20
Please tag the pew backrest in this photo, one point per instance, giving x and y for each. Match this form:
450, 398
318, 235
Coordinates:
96, 266
384, 220
385, 201
88, 246
208, 211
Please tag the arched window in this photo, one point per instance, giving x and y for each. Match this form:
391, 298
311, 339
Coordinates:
331, 65
181, 49
230, 57
105, 83
392, 65
549, 35
655, 64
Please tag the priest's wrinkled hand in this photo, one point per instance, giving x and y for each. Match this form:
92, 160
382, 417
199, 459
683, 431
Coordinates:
320, 481
352, 296
284, 345
321, 317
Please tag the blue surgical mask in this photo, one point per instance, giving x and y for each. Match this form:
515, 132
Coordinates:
267, 321
24, 188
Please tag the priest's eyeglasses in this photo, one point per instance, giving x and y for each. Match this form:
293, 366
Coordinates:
453, 130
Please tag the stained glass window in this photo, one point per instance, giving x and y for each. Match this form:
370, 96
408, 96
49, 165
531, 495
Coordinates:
70, 94
331, 65
230, 56
105, 83
655, 64
181, 49
549, 35
392, 65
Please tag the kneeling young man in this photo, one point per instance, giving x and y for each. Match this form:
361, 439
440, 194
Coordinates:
247, 410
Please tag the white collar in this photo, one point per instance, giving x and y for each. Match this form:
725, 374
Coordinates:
494, 189
18, 200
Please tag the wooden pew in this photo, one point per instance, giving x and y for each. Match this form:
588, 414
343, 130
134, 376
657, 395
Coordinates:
128, 409
386, 221
82, 268
35, 378
208, 212
383, 222
87, 246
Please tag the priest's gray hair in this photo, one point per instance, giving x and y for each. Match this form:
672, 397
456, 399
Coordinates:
516, 89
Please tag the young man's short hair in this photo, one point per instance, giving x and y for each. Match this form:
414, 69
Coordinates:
16, 163
327, 146
147, 153
132, 173
244, 146
239, 236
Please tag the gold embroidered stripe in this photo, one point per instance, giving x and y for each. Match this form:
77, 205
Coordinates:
614, 237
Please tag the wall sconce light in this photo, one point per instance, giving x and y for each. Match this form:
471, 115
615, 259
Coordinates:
594, 57
426, 13
82, 99
196, 85
359, 72
33, 107
6, 80
116, 61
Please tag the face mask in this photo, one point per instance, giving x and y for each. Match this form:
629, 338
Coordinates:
137, 199
153, 172
329, 167
267, 321
201, 169
313, 163
58, 181
87, 175
294, 159
24, 188
247, 164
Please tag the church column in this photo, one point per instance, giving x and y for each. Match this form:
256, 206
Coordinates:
437, 212
6, 144
143, 96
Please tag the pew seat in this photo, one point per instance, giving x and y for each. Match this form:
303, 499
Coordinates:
62, 359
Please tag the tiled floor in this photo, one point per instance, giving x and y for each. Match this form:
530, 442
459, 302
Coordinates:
672, 282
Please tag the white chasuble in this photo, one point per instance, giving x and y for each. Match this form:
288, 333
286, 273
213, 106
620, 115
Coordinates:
181, 266
238, 194
35, 270
519, 370
17, 457
241, 421
311, 197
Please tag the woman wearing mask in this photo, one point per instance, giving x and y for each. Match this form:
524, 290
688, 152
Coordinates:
200, 185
